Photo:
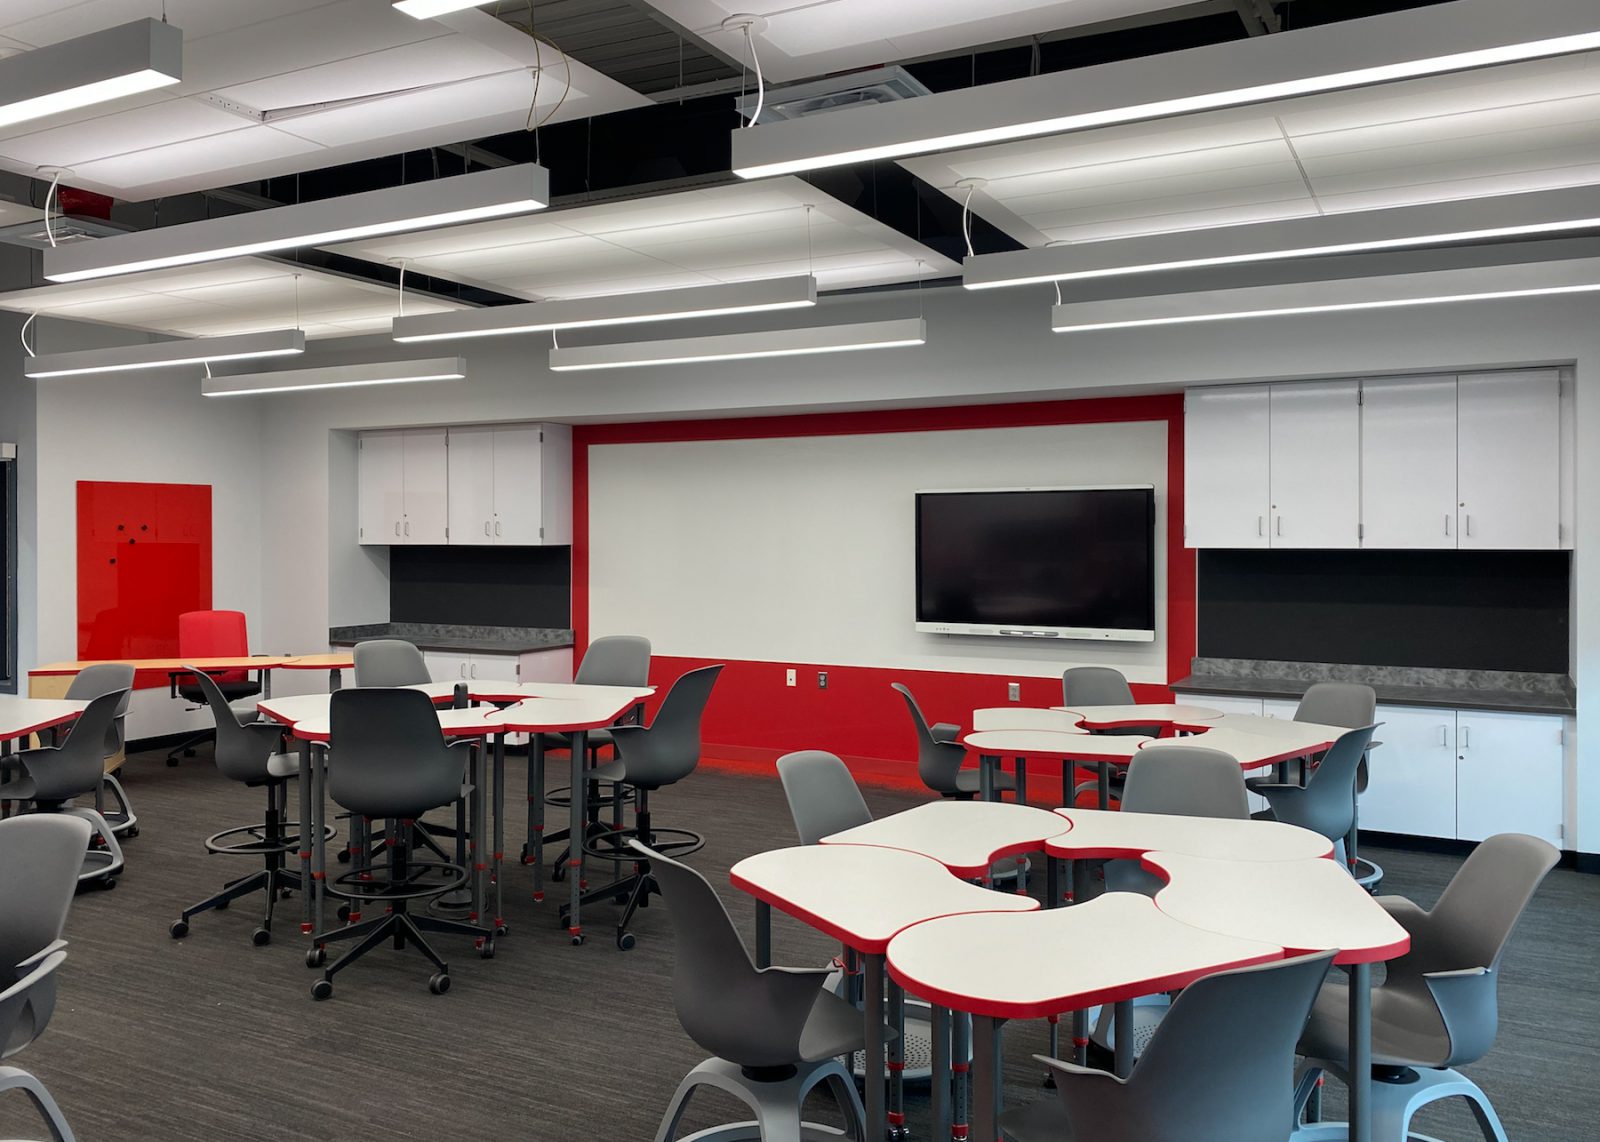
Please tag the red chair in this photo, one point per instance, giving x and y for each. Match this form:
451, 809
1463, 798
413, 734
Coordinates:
212, 634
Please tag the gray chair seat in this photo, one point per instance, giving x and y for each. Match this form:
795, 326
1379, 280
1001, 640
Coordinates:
970, 781
1407, 1029
282, 765
833, 1028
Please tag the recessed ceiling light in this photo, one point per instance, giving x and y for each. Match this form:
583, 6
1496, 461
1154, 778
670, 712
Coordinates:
392, 210
337, 377
743, 346
163, 354
91, 69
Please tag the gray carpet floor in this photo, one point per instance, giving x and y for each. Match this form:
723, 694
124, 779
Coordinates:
210, 1038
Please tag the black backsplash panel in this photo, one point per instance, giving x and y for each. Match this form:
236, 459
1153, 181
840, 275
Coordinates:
1469, 610
481, 586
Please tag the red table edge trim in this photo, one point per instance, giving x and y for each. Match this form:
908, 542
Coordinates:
1013, 848
49, 723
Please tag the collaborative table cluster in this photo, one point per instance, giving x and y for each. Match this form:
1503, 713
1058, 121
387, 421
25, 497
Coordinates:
899, 892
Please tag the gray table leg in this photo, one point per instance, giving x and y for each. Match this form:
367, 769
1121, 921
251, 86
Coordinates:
939, 1078
1103, 784
960, 1054
265, 677
985, 1078
1052, 882
1022, 781
499, 812
307, 921
319, 770
476, 834
580, 828
1122, 1030
987, 764
533, 849
897, 1062
1360, 1053
335, 679
872, 1070
763, 934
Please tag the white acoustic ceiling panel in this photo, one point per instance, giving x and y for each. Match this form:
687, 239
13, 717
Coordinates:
1500, 130
243, 295
802, 38
276, 86
740, 232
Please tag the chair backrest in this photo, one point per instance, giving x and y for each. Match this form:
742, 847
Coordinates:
392, 760
1328, 804
724, 1003
1469, 928
25, 1007
1101, 686
242, 749
1348, 704
101, 678
40, 855
1180, 781
389, 662
823, 798
214, 634
616, 660
669, 749
937, 762
1185, 1089
75, 767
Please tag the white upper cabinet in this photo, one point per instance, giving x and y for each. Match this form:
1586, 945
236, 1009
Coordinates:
519, 507
1408, 462
471, 488
381, 492
1227, 466
511, 485
427, 473
1315, 464
1508, 459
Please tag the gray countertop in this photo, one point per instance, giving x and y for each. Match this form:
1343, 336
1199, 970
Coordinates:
444, 636
1512, 691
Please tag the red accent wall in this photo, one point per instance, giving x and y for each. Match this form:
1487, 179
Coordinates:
754, 716
144, 557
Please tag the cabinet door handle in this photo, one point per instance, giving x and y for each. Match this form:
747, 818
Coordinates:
1261, 525
1447, 526
1469, 525
408, 529
1280, 525
1466, 737
463, 673
1444, 735
485, 527
397, 527
497, 527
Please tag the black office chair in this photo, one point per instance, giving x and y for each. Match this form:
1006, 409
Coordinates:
393, 764
648, 758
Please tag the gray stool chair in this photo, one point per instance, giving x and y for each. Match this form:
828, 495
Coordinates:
1185, 1089
91, 682
823, 797
391, 763
51, 776
39, 861
939, 755
1102, 686
1437, 1006
774, 1033
1326, 803
249, 753
389, 662
650, 758
1351, 705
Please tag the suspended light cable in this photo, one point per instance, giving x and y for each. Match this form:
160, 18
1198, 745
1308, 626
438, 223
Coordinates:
27, 348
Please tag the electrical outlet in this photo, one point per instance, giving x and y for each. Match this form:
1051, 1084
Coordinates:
822, 680
1014, 691
788, 677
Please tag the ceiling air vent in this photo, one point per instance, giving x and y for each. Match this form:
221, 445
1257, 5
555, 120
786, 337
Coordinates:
834, 93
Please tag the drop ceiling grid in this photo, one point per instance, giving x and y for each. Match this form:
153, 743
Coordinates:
737, 232
1497, 131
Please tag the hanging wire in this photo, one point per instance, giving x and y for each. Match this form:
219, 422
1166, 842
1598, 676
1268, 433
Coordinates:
207, 364
761, 85
1058, 291
555, 342
402, 262
27, 348
966, 218
50, 197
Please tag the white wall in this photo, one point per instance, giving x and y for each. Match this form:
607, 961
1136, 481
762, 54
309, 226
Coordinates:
801, 549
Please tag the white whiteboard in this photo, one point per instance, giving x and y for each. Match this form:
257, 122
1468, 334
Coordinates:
802, 549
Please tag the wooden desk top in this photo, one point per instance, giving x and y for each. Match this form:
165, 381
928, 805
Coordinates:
862, 895
239, 662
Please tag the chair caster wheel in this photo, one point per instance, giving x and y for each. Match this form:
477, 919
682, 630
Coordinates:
439, 983
261, 937
322, 989
172, 763
285, 893
625, 941
316, 957
577, 941
486, 950
501, 929
179, 929
557, 875
132, 832
107, 884
343, 912
344, 856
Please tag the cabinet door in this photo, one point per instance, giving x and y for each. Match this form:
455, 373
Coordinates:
1408, 462
518, 486
1316, 465
1226, 465
471, 485
1283, 708
446, 665
1508, 459
1411, 777
380, 487
555, 456
427, 482
1508, 775
493, 667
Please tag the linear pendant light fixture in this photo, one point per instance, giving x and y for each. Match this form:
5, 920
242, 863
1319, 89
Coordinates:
1431, 224
428, 9
1453, 36
619, 309
414, 206
742, 346
1389, 291
163, 354
337, 377
91, 69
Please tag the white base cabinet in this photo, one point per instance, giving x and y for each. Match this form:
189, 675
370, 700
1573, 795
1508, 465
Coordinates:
534, 666
1508, 775
1411, 777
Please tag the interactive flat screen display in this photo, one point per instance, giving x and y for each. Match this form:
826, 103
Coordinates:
1045, 562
